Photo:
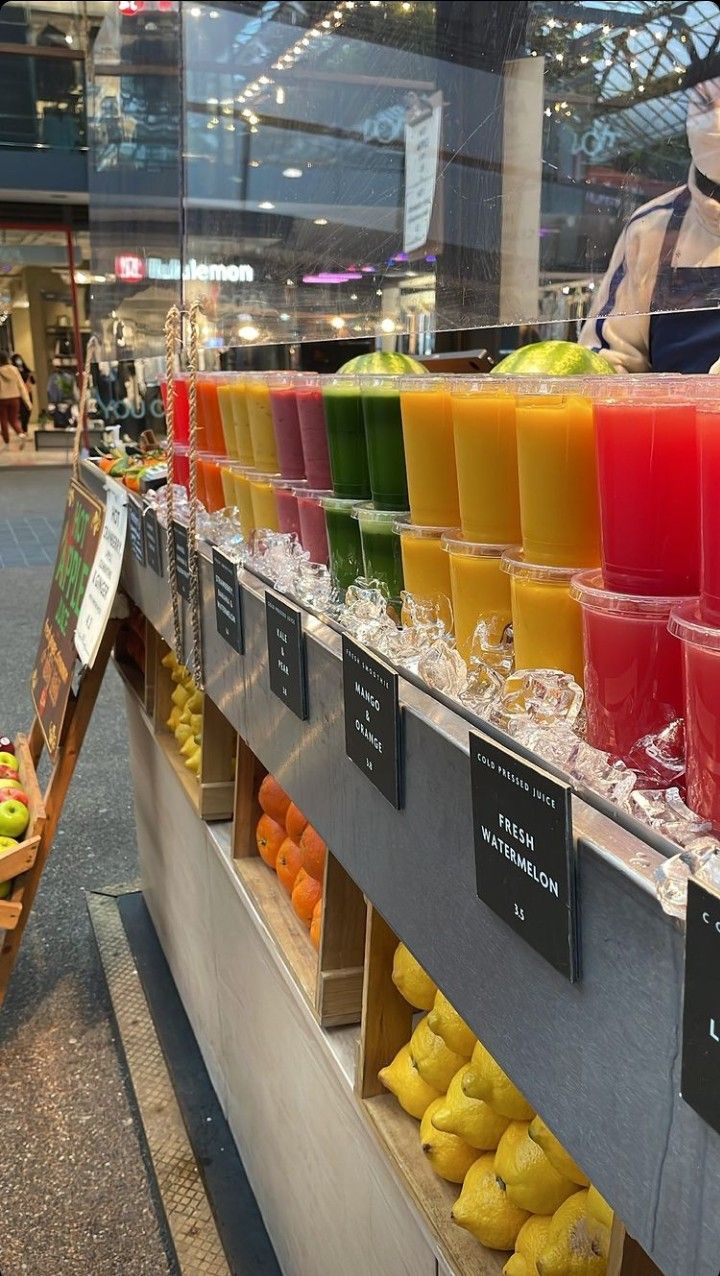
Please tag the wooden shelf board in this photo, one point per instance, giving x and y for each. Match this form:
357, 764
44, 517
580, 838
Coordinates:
400, 1136
289, 933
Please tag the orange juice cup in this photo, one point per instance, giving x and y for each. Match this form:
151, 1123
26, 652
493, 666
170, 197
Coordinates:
210, 437
426, 566
209, 480
547, 620
264, 502
429, 451
262, 433
557, 470
226, 397
483, 417
480, 589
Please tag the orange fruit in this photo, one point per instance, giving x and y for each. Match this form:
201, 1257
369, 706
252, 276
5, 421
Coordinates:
295, 822
305, 894
315, 924
269, 836
288, 864
314, 851
273, 800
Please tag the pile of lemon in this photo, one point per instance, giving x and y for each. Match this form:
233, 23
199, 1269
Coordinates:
520, 1189
186, 716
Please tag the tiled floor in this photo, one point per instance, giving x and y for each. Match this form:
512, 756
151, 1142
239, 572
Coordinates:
28, 542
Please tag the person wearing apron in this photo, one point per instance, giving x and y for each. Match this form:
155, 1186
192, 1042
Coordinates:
658, 307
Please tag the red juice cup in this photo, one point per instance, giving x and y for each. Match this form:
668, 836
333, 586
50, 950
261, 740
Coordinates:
708, 420
648, 479
701, 684
181, 466
313, 531
313, 432
210, 437
286, 496
633, 665
286, 425
181, 421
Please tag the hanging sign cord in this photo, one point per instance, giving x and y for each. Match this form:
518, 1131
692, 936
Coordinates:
197, 661
172, 337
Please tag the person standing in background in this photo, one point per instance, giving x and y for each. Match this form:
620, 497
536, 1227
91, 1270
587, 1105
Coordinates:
29, 379
13, 392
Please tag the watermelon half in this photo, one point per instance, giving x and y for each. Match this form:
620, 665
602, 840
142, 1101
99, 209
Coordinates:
553, 359
382, 363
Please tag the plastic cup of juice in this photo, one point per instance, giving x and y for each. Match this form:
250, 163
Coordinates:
286, 424
313, 432
262, 434
181, 420
633, 664
210, 437
426, 566
209, 482
346, 438
649, 477
546, 618
700, 645
427, 426
313, 532
384, 440
181, 466
557, 475
227, 478
382, 557
344, 545
243, 442
480, 589
226, 397
286, 495
243, 498
263, 495
708, 421
484, 431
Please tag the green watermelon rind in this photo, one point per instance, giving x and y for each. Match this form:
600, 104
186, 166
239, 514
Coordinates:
382, 363
553, 359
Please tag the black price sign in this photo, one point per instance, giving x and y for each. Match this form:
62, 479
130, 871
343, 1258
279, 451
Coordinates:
700, 1078
524, 851
152, 542
228, 612
182, 560
372, 719
286, 654
135, 529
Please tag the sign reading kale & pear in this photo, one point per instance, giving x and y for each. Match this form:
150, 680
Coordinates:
135, 530
286, 654
372, 719
700, 1076
524, 851
182, 559
228, 611
152, 541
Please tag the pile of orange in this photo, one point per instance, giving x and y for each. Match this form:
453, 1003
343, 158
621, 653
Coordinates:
295, 850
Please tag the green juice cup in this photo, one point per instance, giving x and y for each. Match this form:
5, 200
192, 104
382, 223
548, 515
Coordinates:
381, 550
384, 438
346, 438
344, 545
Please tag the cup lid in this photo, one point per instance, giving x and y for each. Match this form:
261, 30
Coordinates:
515, 564
365, 512
341, 503
312, 493
422, 531
588, 588
457, 543
686, 622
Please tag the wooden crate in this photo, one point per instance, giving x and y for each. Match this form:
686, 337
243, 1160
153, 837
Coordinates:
212, 793
332, 978
15, 865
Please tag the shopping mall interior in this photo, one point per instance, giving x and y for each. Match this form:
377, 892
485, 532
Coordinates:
359, 637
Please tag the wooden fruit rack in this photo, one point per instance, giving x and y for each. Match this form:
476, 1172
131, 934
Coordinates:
599, 1059
14, 865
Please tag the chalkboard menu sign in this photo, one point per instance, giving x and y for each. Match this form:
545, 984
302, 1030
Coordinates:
135, 531
152, 542
182, 560
286, 654
372, 719
228, 609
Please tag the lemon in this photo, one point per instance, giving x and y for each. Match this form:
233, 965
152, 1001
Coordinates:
446, 1022
174, 720
436, 1064
556, 1154
183, 733
196, 721
516, 1265
448, 1155
483, 1207
180, 673
530, 1179
598, 1208
180, 696
169, 660
486, 1080
195, 703
189, 744
471, 1119
194, 762
410, 980
577, 1244
531, 1240
402, 1079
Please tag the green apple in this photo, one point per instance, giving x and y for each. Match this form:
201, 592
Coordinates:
9, 759
5, 888
8, 782
7, 844
14, 818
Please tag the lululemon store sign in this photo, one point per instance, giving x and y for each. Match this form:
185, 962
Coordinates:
130, 269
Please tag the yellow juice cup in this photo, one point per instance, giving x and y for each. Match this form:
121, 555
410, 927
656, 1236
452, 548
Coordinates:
227, 416
559, 509
547, 621
264, 502
480, 589
243, 499
243, 441
426, 567
227, 478
483, 416
260, 422
429, 451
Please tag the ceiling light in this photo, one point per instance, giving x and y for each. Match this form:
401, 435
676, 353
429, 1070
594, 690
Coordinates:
280, 96
321, 221
292, 172
353, 296
68, 38
387, 325
284, 316
264, 80
337, 322
378, 292
196, 11
249, 332
290, 283
254, 163
266, 205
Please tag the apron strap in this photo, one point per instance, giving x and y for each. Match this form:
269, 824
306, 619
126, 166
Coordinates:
667, 249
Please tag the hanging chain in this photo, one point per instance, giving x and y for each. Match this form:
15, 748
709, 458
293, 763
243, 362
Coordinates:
197, 660
93, 348
172, 338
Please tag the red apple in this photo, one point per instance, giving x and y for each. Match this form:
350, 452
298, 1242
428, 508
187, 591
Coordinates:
16, 795
9, 759
6, 744
9, 773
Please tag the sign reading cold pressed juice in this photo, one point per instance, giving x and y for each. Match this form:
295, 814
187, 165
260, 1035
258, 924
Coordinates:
135, 531
286, 654
51, 679
152, 542
700, 1076
182, 559
525, 852
372, 719
228, 608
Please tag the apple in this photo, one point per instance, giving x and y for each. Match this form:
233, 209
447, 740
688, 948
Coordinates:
14, 818
9, 782
9, 773
9, 759
5, 888
8, 844
16, 795
6, 744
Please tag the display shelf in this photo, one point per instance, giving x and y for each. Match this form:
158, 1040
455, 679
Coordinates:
14, 865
